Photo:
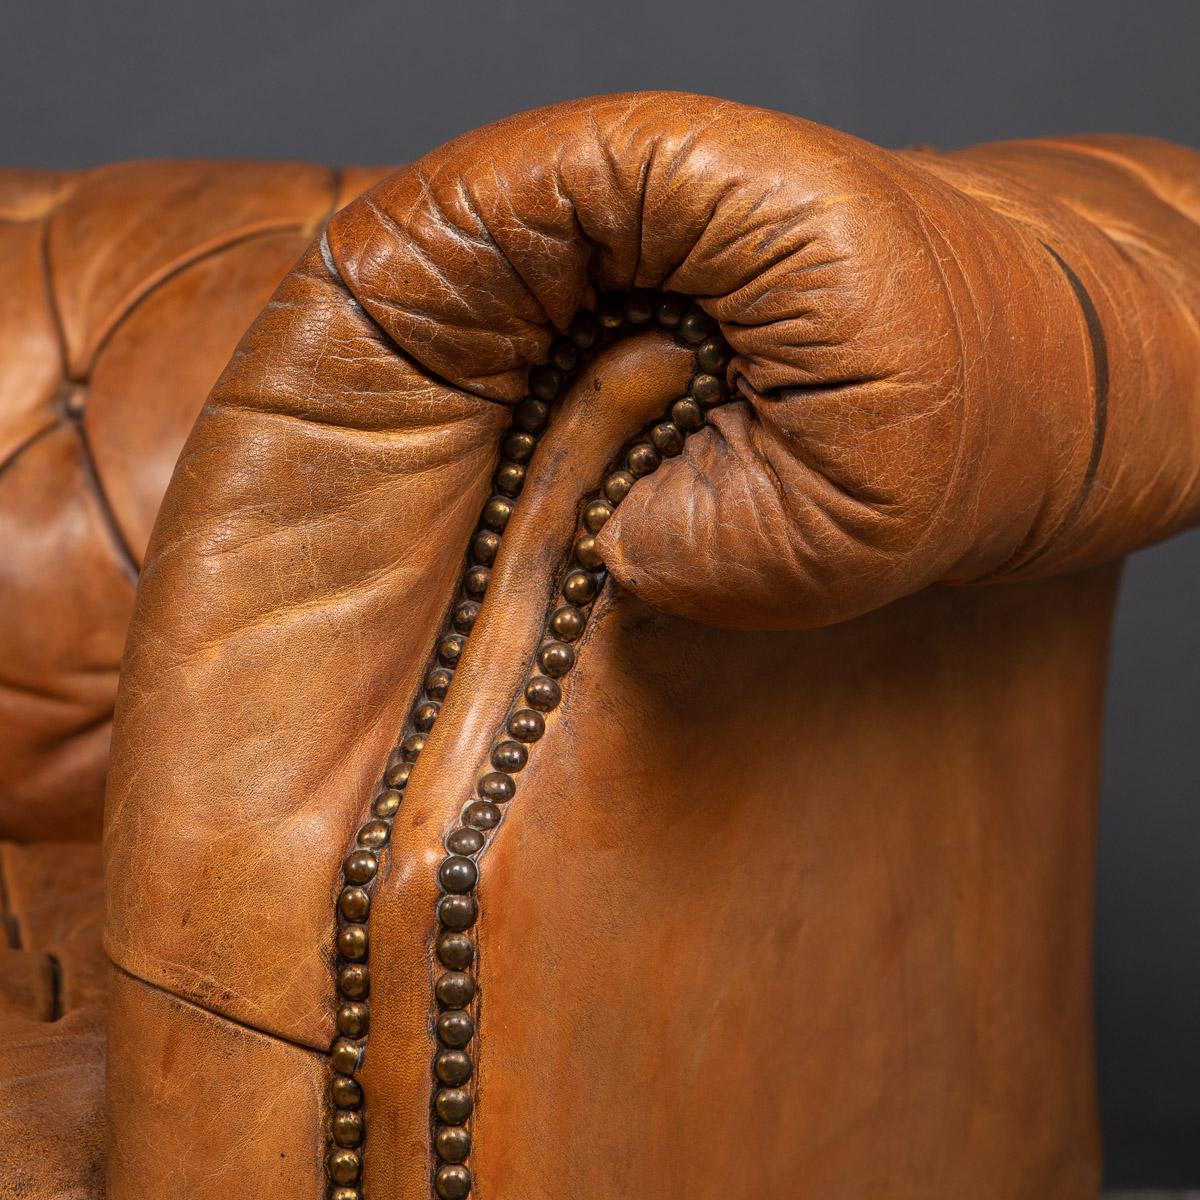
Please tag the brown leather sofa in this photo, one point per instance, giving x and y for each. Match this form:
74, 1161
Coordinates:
612, 698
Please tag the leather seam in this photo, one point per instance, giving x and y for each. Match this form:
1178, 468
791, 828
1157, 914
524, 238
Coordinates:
188, 1002
455, 999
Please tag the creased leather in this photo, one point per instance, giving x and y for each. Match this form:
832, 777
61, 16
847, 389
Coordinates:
919, 385
125, 289
919, 405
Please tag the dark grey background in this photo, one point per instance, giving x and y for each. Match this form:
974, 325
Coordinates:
371, 81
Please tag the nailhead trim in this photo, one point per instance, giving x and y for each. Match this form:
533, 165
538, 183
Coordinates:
455, 989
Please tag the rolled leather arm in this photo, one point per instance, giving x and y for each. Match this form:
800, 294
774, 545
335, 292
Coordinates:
944, 369
954, 367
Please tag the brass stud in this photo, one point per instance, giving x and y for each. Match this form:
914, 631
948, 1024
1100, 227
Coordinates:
437, 683
457, 912
617, 485
457, 873
452, 1183
556, 659
355, 903
352, 942
465, 841
711, 356
567, 622
453, 1105
497, 787
639, 308
526, 725
348, 1128
669, 311
465, 615
596, 514
510, 478
450, 649
705, 389
687, 414
610, 312
642, 459
452, 1067
360, 866
453, 1143
475, 582
543, 693
456, 951
412, 745
345, 1056
455, 1028
563, 354
354, 981
345, 1193
584, 330
695, 326
345, 1092
667, 439
344, 1166
546, 381
426, 714
374, 835
509, 756
353, 1019
579, 587
496, 513
481, 814
387, 804
531, 414
486, 544
455, 989
586, 554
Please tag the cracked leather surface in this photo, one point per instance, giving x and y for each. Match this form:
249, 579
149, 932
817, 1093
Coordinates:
125, 290
836, 878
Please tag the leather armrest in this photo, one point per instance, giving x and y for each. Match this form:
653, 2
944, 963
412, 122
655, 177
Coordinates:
930, 373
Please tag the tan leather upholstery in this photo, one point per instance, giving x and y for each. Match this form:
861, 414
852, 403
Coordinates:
794, 895
125, 289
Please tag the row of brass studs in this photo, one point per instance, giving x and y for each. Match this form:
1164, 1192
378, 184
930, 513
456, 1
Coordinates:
458, 873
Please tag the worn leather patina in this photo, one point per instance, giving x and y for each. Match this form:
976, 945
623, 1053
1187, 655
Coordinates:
790, 891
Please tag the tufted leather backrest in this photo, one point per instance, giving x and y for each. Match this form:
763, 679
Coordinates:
125, 290
809, 905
